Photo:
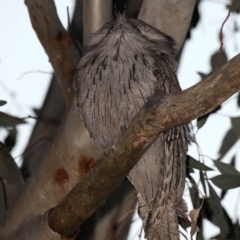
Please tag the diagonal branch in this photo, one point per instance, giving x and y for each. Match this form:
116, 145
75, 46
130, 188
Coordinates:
158, 115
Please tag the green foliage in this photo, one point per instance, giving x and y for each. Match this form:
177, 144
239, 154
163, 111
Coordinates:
9, 123
11, 138
228, 141
214, 202
2, 102
226, 181
226, 168
7, 120
229, 177
218, 59
193, 163
235, 7
238, 99
202, 120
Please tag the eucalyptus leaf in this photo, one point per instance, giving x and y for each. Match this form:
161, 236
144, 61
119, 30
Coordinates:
226, 181
236, 125
226, 168
10, 140
202, 120
232, 163
202, 75
218, 59
200, 236
194, 214
185, 223
7, 120
236, 230
215, 204
203, 181
234, 6
193, 163
36, 111
196, 201
229, 140
238, 99
2, 102
223, 193
194, 192
216, 109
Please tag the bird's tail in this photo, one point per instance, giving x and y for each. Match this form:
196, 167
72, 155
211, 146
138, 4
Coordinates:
159, 178
164, 226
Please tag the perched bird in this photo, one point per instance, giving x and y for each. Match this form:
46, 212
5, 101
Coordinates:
125, 63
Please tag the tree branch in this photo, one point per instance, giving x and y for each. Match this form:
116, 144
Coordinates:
56, 41
96, 13
158, 115
172, 17
10, 174
72, 153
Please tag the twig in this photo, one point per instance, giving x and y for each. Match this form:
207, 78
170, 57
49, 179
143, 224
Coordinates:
35, 71
197, 189
117, 213
33, 145
183, 235
221, 34
130, 211
41, 120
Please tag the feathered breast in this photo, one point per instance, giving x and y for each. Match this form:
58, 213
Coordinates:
123, 66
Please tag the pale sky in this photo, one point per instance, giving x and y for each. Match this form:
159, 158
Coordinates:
21, 52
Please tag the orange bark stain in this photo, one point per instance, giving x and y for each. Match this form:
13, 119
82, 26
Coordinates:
85, 165
61, 176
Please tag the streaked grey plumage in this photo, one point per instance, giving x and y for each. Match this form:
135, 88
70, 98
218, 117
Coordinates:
127, 62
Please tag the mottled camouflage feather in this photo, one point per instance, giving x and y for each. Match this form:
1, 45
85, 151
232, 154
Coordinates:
126, 63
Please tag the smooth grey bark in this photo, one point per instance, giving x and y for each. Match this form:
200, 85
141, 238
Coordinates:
172, 17
96, 13
50, 117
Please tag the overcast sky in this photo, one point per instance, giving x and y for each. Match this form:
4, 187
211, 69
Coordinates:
25, 75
